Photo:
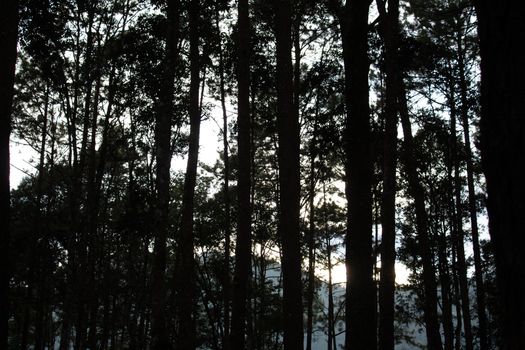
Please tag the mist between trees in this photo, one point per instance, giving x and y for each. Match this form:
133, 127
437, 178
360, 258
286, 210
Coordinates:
256, 174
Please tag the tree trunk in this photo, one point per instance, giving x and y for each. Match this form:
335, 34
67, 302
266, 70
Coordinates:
159, 333
243, 244
226, 289
310, 293
186, 337
473, 210
40, 250
94, 242
360, 313
458, 239
331, 318
389, 31
81, 283
417, 192
444, 280
208, 299
502, 125
96, 173
331, 322
8, 41
289, 180
438, 226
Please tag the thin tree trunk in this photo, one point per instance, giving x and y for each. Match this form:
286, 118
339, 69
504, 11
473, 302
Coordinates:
33, 296
473, 211
81, 282
444, 273
65, 330
457, 293
444, 279
227, 217
331, 323
159, 333
390, 30
417, 192
89, 76
458, 240
289, 179
251, 312
96, 173
186, 302
93, 195
207, 298
310, 293
296, 35
331, 318
243, 243
39, 251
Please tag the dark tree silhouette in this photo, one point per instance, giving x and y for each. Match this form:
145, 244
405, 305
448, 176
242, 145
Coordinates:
389, 28
289, 180
243, 245
111, 248
472, 205
185, 282
360, 287
163, 124
227, 206
502, 129
416, 190
458, 233
8, 41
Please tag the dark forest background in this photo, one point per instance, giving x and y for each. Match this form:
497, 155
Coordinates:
370, 134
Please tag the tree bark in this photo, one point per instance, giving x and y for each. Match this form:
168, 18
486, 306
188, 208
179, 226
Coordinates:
389, 30
186, 301
360, 313
289, 180
502, 126
80, 225
159, 333
8, 41
243, 244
